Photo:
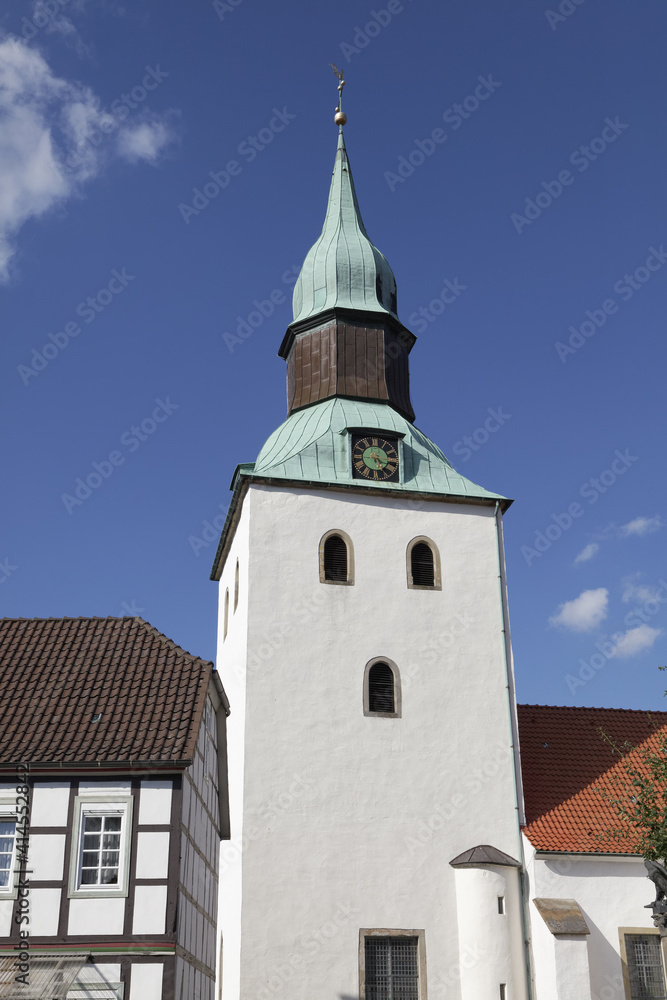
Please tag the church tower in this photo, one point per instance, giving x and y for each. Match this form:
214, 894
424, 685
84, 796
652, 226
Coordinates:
364, 645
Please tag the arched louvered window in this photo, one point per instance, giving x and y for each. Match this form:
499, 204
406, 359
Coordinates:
236, 587
226, 618
423, 564
382, 691
336, 558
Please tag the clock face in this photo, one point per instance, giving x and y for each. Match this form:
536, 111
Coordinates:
375, 457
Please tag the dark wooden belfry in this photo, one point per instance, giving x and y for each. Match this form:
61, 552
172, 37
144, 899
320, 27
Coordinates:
359, 355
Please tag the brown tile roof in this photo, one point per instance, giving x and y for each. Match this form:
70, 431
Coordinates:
563, 758
56, 674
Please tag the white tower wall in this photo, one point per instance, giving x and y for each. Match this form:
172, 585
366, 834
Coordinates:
348, 821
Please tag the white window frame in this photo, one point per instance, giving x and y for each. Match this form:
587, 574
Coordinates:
8, 814
87, 805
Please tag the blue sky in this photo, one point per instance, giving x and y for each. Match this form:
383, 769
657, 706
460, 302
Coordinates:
514, 152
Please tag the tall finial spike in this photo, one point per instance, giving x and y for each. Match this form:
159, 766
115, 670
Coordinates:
340, 117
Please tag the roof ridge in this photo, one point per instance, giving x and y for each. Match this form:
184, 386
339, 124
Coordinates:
599, 708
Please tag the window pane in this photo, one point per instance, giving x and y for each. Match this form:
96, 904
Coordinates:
112, 823
392, 968
645, 968
110, 858
109, 876
7, 829
91, 842
92, 824
111, 841
89, 876
90, 859
4, 878
6, 845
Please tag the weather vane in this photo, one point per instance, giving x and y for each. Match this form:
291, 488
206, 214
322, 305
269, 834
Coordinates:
340, 117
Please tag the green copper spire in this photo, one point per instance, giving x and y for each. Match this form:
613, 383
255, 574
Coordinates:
343, 269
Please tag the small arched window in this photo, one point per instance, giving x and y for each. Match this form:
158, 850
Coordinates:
225, 625
236, 586
382, 689
336, 558
423, 565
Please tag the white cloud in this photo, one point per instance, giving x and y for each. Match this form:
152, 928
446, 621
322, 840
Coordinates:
633, 590
634, 641
591, 549
51, 142
144, 141
584, 613
44, 17
641, 526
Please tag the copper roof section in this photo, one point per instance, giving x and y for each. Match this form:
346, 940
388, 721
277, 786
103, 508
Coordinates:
97, 692
483, 855
563, 758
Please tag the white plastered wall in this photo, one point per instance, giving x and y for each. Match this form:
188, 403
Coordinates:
350, 822
612, 893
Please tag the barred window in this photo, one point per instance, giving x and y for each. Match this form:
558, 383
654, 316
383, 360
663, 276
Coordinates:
391, 968
645, 967
7, 844
100, 853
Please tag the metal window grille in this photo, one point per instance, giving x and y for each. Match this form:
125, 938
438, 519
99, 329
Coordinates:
100, 855
7, 842
335, 559
645, 967
423, 570
381, 688
392, 968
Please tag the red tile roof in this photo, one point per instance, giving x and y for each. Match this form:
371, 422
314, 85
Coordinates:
57, 674
563, 758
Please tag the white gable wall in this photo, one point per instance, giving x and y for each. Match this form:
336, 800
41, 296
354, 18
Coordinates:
612, 893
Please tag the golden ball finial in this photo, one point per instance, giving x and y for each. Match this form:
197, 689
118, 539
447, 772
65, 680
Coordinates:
340, 118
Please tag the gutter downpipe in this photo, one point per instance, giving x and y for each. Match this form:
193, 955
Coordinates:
518, 796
